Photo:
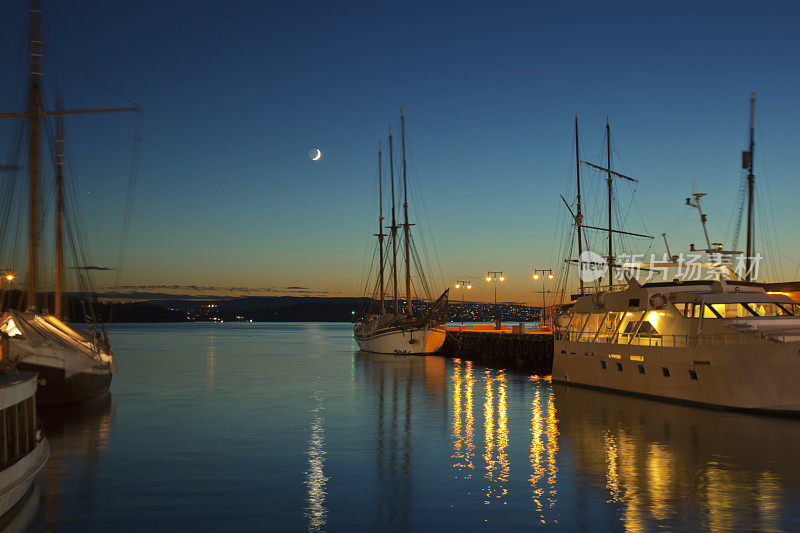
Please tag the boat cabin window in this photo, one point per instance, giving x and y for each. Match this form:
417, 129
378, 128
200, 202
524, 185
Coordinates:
647, 329
737, 310
18, 431
731, 310
774, 309
592, 326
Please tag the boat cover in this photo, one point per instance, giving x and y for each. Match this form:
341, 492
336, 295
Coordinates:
47, 335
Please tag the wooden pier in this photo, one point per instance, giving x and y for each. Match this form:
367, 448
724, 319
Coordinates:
515, 348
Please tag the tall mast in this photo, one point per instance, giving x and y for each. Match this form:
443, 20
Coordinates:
579, 213
34, 118
393, 226
405, 213
750, 191
610, 228
59, 273
380, 227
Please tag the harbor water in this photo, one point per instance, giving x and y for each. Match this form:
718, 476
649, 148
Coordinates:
286, 427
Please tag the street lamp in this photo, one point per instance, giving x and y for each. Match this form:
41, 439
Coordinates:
463, 285
540, 273
495, 276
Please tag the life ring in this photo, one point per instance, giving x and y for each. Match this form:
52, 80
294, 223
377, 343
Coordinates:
658, 301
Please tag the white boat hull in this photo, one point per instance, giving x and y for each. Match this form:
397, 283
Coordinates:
760, 377
16, 479
395, 341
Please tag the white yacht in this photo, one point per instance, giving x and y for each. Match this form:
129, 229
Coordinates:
391, 327
716, 342
24, 448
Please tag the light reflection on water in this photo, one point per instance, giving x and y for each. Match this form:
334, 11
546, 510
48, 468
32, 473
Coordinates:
284, 427
316, 512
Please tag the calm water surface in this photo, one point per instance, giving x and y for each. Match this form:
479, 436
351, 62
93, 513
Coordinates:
284, 427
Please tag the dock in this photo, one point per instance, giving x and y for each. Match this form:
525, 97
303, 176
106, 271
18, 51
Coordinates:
516, 348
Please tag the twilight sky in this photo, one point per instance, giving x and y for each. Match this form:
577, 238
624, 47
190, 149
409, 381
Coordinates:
236, 94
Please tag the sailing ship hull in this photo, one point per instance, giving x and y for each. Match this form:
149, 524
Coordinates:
419, 341
754, 377
57, 389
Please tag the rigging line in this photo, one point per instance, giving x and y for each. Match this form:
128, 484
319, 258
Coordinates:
54, 53
366, 271
126, 219
767, 187
416, 188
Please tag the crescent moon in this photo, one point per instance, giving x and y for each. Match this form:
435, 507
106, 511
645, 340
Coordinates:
316, 157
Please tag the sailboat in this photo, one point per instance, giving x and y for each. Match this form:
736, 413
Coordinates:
392, 328
73, 365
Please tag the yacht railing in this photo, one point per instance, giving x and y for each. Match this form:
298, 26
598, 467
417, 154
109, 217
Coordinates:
678, 341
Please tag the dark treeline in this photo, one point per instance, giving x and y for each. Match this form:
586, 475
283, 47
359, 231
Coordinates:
256, 308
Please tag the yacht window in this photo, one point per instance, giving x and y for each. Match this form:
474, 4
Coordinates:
619, 367
713, 310
732, 310
696, 310
633, 302
641, 369
773, 309
665, 371
692, 374
603, 364
647, 329
592, 326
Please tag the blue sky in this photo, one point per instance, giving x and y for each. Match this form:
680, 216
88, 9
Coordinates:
236, 94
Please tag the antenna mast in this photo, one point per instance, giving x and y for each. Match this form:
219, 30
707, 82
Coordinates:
34, 119
610, 186
579, 213
747, 162
59, 266
380, 234
406, 225
393, 227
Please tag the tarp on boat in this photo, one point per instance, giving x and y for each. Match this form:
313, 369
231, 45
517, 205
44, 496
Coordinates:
46, 335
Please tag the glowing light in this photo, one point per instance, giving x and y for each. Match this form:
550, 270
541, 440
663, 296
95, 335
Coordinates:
536, 276
550, 276
488, 278
458, 286
10, 277
652, 317
469, 286
502, 278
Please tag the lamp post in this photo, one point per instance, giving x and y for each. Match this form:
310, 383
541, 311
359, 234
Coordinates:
460, 284
541, 273
495, 276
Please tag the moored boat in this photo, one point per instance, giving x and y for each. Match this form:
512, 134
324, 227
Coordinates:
721, 343
394, 328
73, 365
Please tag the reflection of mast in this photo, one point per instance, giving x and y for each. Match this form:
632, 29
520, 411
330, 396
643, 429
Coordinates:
210, 363
79, 436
